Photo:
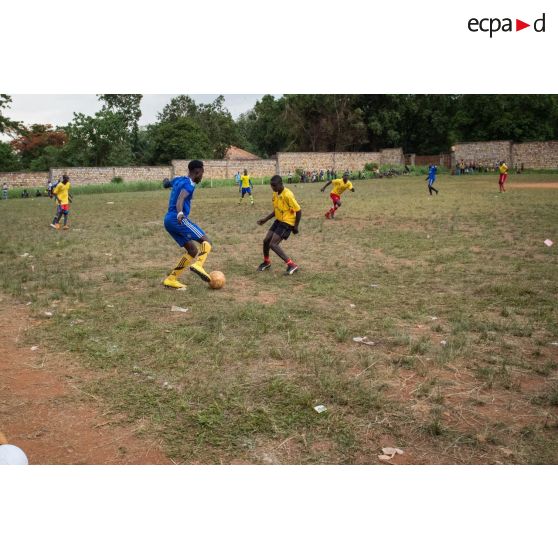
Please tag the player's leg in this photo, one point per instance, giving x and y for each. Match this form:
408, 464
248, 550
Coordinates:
251, 196
185, 261
205, 248
504, 178
65, 213
55, 222
336, 206
266, 264
281, 233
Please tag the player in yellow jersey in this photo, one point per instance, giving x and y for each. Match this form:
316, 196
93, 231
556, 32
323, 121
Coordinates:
287, 215
63, 198
246, 187
339, 186
503, 170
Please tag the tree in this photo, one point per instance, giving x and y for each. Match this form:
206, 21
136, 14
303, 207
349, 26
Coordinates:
213, 118
33, 141
9, 160
99, 140
182, 138
506, 117
7, 126
129, 107
263, 129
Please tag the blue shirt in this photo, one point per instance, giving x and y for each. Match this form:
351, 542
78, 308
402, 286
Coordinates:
432, 170
180, 183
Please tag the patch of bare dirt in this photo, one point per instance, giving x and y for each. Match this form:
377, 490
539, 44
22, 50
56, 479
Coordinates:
43, 411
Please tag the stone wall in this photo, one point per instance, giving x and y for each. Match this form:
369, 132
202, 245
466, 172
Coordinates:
530, 155
484, 152
227, 169
24, 179
535, 155
353, 161
103, 175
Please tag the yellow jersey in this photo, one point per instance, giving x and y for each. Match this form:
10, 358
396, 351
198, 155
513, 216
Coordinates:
503, 168
285, 206
339, 186
62, 192
245, 179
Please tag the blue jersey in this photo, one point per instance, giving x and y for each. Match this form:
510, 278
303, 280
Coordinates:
432, 170
180, 183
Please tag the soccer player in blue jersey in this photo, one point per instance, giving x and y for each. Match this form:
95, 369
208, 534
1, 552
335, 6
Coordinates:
185, 232
431, 178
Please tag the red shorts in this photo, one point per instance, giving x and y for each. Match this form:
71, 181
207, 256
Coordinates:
64, 206
335, 198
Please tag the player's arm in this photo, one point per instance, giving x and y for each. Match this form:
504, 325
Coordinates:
298, 215
266, 219
180, 205
325, 185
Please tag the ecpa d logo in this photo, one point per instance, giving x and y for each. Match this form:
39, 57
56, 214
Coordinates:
493, 25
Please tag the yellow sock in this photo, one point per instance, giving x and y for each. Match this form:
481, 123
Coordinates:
184, 262
204, 252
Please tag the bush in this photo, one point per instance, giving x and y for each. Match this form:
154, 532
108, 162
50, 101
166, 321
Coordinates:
371, 167
117, 180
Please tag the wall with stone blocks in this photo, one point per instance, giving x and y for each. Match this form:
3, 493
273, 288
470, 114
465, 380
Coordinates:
530, 155
535, 155
103, 175
227, 169
353, 161
484, 152
24, 179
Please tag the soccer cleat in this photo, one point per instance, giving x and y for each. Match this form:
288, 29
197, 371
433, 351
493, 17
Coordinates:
263, 266
172, 282
200, 272
328, 215
57, 226
66, 227
291, 269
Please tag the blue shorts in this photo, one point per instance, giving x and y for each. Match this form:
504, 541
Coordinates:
182, 232
431, 181
246, 191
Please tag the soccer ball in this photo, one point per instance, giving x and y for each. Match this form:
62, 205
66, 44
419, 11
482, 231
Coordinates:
12, 455
217, 280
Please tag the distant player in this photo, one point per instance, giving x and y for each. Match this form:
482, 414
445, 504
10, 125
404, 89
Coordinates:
503, 170
246, 182
237, 180
339, 186
185, 232
61, 192
431, 178
287, 215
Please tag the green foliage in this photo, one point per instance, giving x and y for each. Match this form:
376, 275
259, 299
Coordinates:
9, 161
7, 125
180, 138
213, 118
117, 180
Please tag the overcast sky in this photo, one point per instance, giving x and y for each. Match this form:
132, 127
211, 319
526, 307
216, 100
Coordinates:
58, 109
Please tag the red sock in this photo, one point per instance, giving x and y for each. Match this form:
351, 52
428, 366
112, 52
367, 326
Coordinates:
290, 262
266, 259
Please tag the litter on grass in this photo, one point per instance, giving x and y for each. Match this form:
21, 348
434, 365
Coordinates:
548, 242
363, 340
389, 453
320, 408
352, 305
48, 314
110, 203
34, 347
374, 286
443, 342
178, 309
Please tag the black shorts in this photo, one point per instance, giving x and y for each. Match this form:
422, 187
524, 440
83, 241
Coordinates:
282, 229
